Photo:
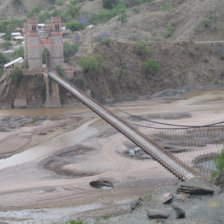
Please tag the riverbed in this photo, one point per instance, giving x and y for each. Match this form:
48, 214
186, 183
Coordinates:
50, 156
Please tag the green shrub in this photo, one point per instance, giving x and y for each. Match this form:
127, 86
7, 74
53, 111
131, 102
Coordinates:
165, 7
106, 217
206, 22
131, 3
75, 26
136, 10
18, 52
34, 12
106, 41
7, 36
80, 83
150, 66
69, 50
74, 2
169, 31
219, 164
17, 74
3, 59
6, 45
79, 221
104, 15
50, 7
123, 17
144, 1
73, 11
89, 64
59, 2
43, 17
9, 26
56, 12
110, 4
1, 71
60, 70
134, 37
141, 49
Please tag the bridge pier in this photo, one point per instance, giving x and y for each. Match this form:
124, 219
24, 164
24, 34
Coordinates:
52, 94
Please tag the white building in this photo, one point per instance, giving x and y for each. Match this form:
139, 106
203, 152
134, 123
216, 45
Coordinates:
16, 34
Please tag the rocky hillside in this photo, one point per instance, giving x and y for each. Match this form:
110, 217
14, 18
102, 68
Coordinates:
152, 21
167, 58
181, 65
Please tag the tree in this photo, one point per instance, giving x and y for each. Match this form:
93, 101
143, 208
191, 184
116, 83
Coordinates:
3, 59
18, 52
6, 45
69, 50
73, 11
60, 70
75, 26
89, 64
17, 73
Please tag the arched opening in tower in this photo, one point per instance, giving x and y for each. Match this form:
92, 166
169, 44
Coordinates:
46, 58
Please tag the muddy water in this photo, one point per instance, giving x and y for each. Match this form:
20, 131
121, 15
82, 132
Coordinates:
42, 111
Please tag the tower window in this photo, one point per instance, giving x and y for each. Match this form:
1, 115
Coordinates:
34, 28
57, 26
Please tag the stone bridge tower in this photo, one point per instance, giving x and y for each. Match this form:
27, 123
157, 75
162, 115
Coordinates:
47, 40
38, 40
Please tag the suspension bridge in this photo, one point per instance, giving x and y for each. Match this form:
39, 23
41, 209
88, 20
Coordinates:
168, 160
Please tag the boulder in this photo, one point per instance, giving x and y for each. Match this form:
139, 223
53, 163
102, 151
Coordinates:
166, 198
158, 213
199, 190
219, 180
180, 213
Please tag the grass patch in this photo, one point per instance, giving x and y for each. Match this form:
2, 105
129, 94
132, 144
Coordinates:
169, 31
219, 164
79, 221
206, 22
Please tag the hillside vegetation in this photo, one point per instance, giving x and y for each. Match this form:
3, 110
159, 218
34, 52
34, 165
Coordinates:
149, 20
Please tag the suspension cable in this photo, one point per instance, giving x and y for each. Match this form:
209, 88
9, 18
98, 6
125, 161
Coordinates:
169, 124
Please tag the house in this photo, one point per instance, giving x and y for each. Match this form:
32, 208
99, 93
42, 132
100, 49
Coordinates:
16, 34
18, 38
